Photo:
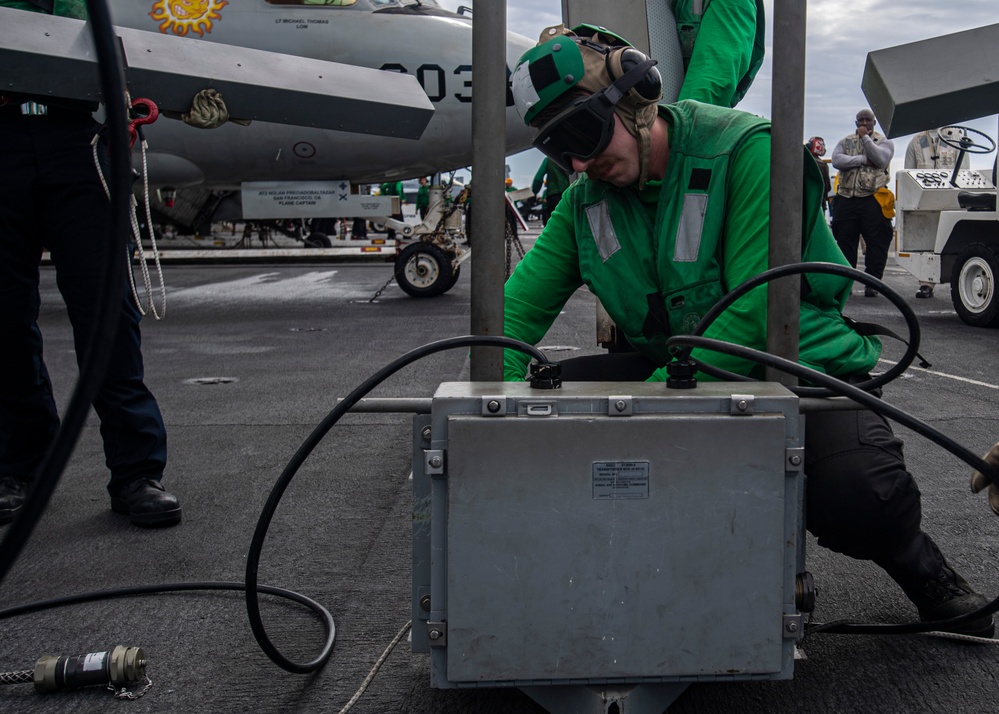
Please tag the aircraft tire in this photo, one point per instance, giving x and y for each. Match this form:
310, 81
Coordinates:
424, 270
318, 240
973, 286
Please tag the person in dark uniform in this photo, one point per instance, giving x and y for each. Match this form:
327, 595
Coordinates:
51, 196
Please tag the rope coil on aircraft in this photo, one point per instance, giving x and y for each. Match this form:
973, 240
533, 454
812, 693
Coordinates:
208, 111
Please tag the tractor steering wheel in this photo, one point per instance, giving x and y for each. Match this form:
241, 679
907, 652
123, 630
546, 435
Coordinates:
966, 143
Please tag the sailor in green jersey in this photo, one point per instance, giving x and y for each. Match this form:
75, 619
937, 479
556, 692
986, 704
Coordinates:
393, 188
672, 212
423, 198
554, 180
722, 43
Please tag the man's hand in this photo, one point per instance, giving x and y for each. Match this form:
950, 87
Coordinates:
862, 130
979, 481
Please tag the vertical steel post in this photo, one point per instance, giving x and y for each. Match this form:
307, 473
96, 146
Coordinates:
786, 164
488, 188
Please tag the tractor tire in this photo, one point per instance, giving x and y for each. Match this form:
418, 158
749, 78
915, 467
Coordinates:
973, 286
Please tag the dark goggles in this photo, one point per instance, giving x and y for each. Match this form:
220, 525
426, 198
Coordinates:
584, 129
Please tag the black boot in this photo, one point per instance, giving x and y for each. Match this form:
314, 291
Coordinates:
948, 595
146, 503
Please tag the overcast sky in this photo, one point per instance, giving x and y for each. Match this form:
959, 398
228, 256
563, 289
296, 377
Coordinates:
840, 34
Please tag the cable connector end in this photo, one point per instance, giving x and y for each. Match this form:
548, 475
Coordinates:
681, 374
546, 376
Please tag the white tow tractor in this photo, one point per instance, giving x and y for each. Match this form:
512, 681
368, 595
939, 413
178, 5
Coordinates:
948, 229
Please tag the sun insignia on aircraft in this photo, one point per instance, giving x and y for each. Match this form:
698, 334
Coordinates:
182, 16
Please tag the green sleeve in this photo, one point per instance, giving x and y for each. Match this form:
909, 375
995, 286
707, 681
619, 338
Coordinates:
537, 291
721, 53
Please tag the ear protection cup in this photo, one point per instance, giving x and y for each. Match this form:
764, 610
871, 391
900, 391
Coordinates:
649, 88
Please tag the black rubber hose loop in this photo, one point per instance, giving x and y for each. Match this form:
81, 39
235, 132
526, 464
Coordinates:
908, 313
257, 544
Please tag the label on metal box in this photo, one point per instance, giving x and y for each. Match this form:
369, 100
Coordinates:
620, 479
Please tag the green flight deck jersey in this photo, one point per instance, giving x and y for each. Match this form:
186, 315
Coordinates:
659, 258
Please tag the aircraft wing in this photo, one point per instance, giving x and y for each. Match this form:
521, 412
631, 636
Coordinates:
54, 56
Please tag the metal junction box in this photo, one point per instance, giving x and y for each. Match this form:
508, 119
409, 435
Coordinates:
607, 534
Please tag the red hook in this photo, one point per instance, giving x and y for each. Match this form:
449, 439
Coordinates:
148, 114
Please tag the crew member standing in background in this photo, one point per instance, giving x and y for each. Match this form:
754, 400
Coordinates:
862, 159
817, 148
554, 180
423, 198
393, 188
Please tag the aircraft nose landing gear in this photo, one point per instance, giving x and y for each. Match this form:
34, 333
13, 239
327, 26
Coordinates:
425, 270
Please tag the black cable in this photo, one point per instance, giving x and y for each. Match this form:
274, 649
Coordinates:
848, 390
912, 322
101, 339
260, 533
40, 605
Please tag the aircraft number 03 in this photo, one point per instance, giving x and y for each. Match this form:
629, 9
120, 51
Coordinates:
434, 80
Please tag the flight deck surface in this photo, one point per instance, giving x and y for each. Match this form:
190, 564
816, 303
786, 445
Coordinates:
251, 357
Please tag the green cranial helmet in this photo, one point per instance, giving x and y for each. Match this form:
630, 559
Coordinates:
546, 72
563, 59
590, 59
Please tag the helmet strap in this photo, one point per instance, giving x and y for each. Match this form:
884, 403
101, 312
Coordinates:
643, 133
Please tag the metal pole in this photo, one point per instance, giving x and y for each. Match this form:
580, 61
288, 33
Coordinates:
488, 188
786, 164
